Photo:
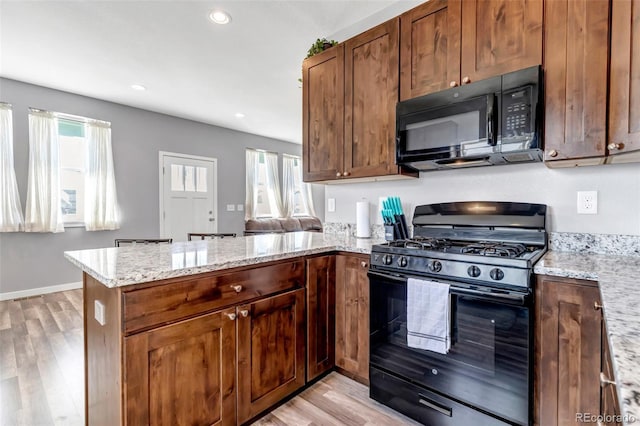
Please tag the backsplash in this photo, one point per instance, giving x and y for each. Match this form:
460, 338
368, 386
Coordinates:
614, 244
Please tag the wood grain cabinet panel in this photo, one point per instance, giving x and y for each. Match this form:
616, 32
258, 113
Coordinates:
271, 351
429, 48
323, 115
568, 339
576, 53
371, 94
624, 114
321, 304
500, 36
182, 374
352, 316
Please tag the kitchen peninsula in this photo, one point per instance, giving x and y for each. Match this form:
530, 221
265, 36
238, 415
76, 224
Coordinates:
208, 332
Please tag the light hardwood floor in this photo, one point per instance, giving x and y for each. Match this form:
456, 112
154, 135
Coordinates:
42, 374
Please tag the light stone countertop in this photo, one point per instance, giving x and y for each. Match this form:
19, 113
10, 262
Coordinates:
619, 281
122, 266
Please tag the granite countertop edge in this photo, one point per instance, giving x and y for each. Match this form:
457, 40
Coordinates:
617, 281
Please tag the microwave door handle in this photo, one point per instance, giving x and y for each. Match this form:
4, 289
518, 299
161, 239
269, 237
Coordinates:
492, 139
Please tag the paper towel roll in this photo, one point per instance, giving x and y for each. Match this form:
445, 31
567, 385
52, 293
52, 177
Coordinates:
363, 228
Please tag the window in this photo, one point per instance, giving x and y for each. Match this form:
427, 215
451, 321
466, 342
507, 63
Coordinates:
72, 143
188, 178
263, 187
297, 194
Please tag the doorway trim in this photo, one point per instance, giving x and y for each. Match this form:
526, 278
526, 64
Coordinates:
161, 155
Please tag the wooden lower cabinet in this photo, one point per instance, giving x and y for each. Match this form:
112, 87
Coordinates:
271, 351
182, 374
352, 316
568, 341
321, 313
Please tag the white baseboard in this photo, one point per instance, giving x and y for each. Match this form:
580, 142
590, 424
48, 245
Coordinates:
40, 290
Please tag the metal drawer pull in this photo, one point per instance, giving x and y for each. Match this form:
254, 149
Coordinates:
597, 306
363, 264
244, 313
604, 381
232, 316
237, 288
434, 406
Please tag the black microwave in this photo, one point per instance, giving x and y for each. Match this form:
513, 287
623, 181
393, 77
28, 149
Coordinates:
492, 121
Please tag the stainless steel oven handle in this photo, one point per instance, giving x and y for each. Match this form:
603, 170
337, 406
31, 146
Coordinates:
434, 406
517, 298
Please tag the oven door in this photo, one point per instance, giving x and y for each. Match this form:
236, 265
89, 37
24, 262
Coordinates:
488, 365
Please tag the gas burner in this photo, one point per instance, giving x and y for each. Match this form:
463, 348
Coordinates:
494, 249
422, 243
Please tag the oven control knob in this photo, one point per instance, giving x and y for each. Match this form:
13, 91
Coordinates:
473, 271
387, 259
496, 274
403, 262
435, 266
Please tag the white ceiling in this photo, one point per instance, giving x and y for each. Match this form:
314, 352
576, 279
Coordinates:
191, 67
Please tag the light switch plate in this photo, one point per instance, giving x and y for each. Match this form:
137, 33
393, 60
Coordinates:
231, 207
331, 205
240, 207
99, 314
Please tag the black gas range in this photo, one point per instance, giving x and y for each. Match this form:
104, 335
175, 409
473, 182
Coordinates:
485, 252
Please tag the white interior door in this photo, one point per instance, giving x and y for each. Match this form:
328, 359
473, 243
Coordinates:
188, 195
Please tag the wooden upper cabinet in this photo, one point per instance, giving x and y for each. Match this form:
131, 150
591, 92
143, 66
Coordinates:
182, 373
499, 36
624, 114
371, 94
576, 52
271, 349
429, 48
323, 115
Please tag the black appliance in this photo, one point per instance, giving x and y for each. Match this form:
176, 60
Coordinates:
485, 251
492, 121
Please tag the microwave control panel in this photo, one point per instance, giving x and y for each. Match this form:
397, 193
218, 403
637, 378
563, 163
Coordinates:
516, 113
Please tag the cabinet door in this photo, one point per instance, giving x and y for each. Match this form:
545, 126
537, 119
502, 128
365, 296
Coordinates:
568, 333
429, 48
323, 115
271, 347
352, 316
182, 374
500, 36
576, 55
321, 324
371, 94
624, 114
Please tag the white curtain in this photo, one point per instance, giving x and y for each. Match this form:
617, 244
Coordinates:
292, 179
43, 212
273, 184
11, 219
251, 194
101, 205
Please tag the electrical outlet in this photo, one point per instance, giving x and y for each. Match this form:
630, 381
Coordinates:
99, 314
331, 205
587, 202
240, 207
231, 207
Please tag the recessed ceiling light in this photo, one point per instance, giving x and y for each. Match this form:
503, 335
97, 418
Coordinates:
239, 115
220, 17
138, 87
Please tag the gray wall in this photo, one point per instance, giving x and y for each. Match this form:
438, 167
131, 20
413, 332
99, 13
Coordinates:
32, 260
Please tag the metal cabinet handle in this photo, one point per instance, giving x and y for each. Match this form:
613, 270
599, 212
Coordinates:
466, 80
453, 83
597, 306
244, 313
237, 288
338, 174
604, 381
346, 174
232, 316
363, 264
615, 146
553, 153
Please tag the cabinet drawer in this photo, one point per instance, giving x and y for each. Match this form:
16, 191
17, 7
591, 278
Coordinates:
153, 306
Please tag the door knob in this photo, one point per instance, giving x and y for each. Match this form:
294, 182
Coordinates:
211, 219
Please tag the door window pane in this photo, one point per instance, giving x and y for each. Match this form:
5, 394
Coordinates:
189, 178
201, 179
177, 177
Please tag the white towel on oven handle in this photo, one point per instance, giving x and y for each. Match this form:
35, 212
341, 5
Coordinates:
428, 315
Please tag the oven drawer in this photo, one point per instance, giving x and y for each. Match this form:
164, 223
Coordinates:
422, 405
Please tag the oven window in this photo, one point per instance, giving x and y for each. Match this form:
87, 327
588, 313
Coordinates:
487, 365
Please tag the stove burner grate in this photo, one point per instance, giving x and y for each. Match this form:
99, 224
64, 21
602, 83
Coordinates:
422, 243
494, 249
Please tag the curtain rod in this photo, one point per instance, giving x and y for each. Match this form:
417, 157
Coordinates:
72, 117
263, 150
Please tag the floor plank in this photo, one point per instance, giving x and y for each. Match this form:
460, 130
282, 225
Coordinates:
42, 374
